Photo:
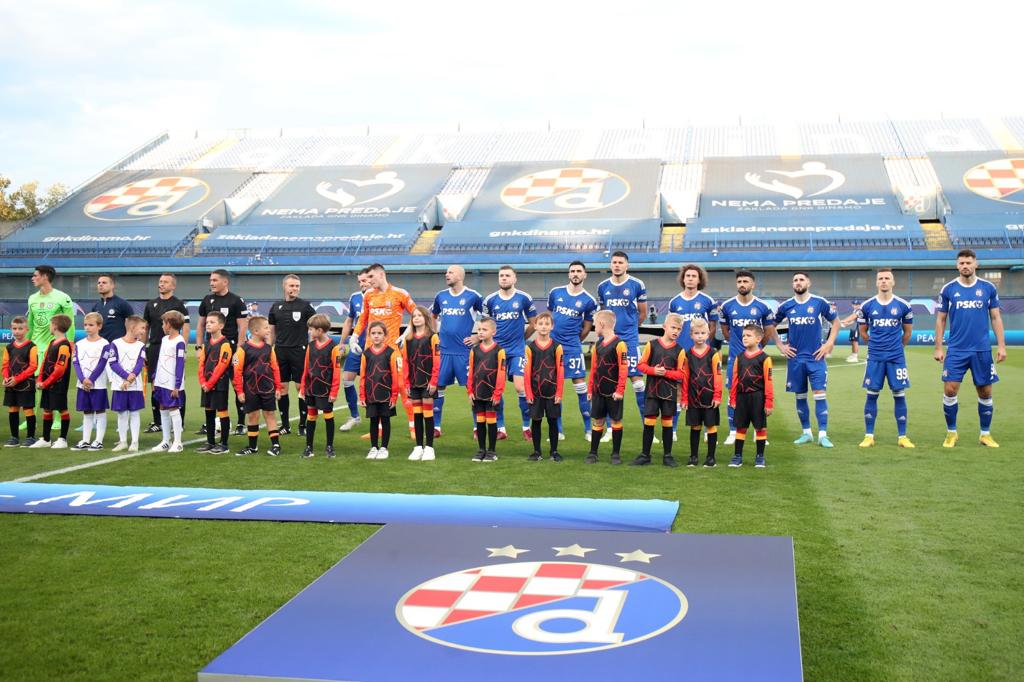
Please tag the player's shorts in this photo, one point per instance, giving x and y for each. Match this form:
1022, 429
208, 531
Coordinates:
542, 408
574, 364
379, 410
92, 401
256, 402
702, 416
214, 400
603, 406
750, 411
421, 393
799, 371
656, 406
290, 362
320, 403
353, 363
54, 399
165, 400
633, 357
983, 369
127, 401
25, 399
482, 406
878, 372
453, 370
516, 365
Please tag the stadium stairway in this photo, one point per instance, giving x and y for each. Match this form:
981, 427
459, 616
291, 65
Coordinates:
672, 238
935, 236
425, 243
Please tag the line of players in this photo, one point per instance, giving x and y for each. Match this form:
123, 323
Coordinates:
884, 322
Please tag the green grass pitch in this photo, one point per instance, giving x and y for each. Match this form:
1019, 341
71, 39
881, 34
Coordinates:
908, 561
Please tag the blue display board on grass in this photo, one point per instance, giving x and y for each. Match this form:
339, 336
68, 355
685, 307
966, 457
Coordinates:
473, 603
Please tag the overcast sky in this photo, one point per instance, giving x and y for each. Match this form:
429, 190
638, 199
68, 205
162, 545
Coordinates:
83, 84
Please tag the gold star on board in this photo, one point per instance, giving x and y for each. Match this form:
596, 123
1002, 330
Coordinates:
636, 555
508, 550
573, 550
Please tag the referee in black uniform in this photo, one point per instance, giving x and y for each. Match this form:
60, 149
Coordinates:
154, 310
237, 315
290, 337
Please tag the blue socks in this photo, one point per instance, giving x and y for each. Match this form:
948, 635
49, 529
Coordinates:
731, 411
581, 394
900, 410
949, 408
821, 412
803, 411
871, 413
524, 410
985, 414
641, 397
501, 413
352, 399
438, 408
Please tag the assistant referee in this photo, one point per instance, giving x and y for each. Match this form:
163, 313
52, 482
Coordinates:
290, 336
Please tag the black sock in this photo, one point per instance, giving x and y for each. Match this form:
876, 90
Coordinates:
428, 428
240, 409
695, 443
211, 426
225, 429
385, 432
481, 435
595, 439
47, 427
616, 441
666, 439
275, 437
254, 435
553, 433
535, 434
492, 436
739, 446
65, 426
417, 420
760, 446
182, 408
30, 426
283, 405
303, 413
712, 444
156, 407
374, 432
329, 425
12, 421
310, 430
648, 439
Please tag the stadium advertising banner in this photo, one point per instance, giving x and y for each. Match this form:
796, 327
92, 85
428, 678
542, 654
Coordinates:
139, 206
345, 195
558, 202
981, 182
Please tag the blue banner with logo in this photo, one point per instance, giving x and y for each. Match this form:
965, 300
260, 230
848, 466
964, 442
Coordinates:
499, 604
981, 182
335, 507
818, 189
364, 195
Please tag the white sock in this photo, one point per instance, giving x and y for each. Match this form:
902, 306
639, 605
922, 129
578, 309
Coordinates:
122, 427
135, 423
822, 434
176, 426
101, 426
87, 422
165, 424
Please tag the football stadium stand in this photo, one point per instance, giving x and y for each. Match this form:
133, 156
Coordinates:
842, 188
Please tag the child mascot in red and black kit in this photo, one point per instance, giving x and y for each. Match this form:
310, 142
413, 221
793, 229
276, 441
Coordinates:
421, 356
753, 395
320, 381
662, 362
486, 385
544, 376
381, 374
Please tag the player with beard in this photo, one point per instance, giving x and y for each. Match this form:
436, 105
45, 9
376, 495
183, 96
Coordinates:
572, 310
626, 296
456, 310
513, 312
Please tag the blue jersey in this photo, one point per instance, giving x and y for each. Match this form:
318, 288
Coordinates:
968, 310
624, 300
355, 309
568, 313
700, 306
885, 327
511, 316
738, 315
455, 317
805, 323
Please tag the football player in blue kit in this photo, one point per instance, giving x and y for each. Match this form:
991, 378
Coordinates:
692, 303
885, 322
513, 311
969, 303
806, 354
456, 310
626, 296
736, 313
572, 310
